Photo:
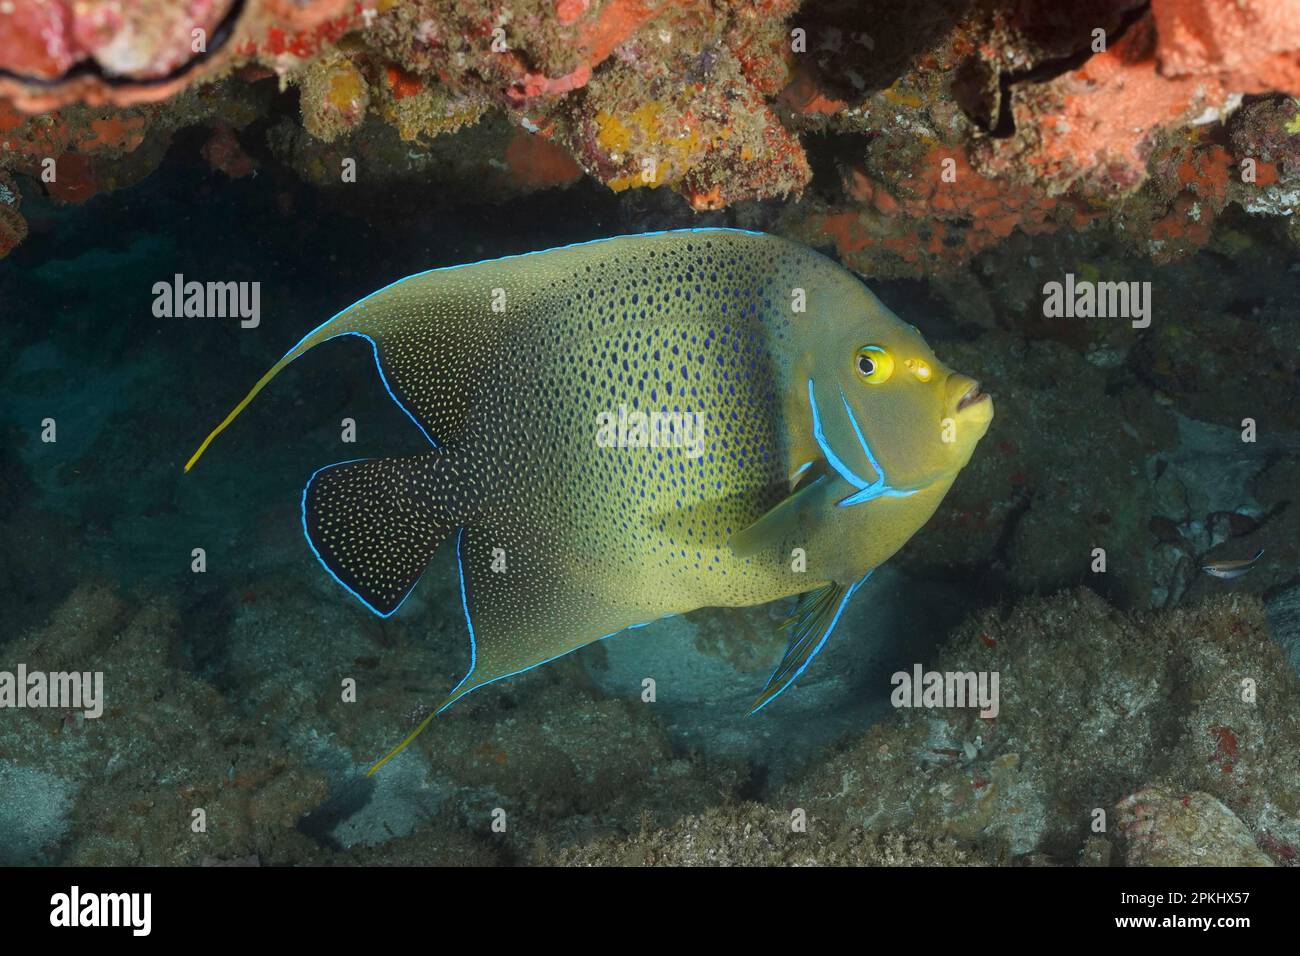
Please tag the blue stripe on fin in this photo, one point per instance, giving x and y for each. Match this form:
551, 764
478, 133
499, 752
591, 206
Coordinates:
810, 624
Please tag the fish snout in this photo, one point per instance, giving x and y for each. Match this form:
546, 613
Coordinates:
964, 395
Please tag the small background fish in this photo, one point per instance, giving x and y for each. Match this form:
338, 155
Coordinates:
1227, 570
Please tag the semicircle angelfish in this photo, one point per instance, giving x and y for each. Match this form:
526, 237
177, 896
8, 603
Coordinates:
636, 427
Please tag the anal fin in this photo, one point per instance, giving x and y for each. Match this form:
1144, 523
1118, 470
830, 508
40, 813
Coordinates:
810, 625
529, 598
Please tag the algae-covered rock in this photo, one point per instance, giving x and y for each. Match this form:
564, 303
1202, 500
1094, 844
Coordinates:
1162, 828
1093, 703
753, 835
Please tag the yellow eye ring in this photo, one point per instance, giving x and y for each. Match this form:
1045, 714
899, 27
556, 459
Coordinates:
874, 364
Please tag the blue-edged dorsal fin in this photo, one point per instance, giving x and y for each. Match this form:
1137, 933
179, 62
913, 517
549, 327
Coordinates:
809, 625
421, 332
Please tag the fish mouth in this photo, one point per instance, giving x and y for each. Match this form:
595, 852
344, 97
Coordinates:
972, 396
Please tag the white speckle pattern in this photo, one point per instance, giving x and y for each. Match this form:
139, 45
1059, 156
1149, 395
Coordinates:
594, 539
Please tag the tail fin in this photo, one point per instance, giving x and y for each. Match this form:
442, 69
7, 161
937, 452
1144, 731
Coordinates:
318, 335
373, 529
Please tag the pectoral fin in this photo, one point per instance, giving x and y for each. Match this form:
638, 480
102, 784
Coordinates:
809, 626
793, 518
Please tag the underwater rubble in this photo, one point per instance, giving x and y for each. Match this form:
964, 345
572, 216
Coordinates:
1088, 732
1092, 759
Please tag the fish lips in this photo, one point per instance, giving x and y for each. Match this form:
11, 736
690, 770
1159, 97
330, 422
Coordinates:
966, 398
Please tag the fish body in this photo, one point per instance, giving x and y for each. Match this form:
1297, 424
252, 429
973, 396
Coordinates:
775, 454
1228, 570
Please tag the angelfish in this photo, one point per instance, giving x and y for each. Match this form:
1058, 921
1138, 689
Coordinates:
830, 433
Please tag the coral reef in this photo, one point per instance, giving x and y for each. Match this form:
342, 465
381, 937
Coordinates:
755, 835
58, 52
1087, 716
124, 808
75, 153
134, 778
13, 227
949, 128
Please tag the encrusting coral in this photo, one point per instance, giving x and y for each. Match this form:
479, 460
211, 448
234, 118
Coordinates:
1114, 114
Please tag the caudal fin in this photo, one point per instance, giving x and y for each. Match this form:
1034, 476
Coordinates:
372, 527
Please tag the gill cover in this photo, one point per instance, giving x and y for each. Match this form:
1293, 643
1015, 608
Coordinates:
847, 451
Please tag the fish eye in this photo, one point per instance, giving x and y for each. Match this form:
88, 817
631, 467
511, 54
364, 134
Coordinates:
874, 364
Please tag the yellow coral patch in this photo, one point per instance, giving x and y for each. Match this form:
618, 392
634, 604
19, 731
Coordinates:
644, 135
903, 97
612, 135
430, 113
347, 87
